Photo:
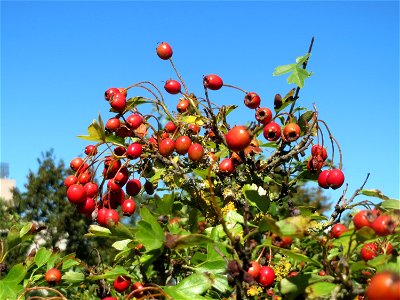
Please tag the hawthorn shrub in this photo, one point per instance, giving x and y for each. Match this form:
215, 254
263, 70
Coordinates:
199, 208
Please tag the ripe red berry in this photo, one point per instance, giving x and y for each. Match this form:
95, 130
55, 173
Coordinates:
164, 51
166, 147
255, 269
383, 225
76, 194
90, 150
252, 100
113, 124
110, 93
291, 132
118, 102
122, 176
267, 276
84, 177
183, 106
76, 164
170, 127
194, 128
263, 115
134, 121
272, 131
338, 229
137, 287
128, 207
112, 186
335, 178
182, 144
91, 189
384, 285
238, 138
369, 251
87, 207
363, 218
212, 82
70, 180
172, 86
196, 151
281, 241
133, 187
107, 217
318, 150
122, 283
53, 276
226, 166
322, 179
134, 151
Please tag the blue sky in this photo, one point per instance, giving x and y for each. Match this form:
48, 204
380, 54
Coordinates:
58, 58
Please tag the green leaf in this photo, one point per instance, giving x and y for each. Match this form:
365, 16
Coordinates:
391, 204
364, 234
212, 266
192, 120
374, 193
298, 76
302, 59
256, 196
96, 230
96, 133
15, 275
320, 289
121, 245
123, 231
294, 226
42, 256
110, 274
9, 291
175, 293
380, 260
135, 101
294, 255
304, 119
72, 276
115, 139
187, 241
149, 233
69, 264
27, 227
280, 70
195, 284
164, 204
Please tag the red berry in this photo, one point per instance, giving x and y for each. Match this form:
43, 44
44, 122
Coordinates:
134, 151
53, 276
133, 187
363, 218
70, 180
118, 102
166, 147
122, 283
182, 144
383, 225
322, 179
134, 121
91, 189
384, 285
122, 176
164, 51
272, 131
128, 207
267, 276
170, 127
263, 115
101, 216
90, 150
291, 132
112, 186
137, 287
335, 178
113, 124
76, 194
319, 150
110, 93
183, 106
252, 100
76, 164
369, 251
255, 269
196, 151
84, 177
322, 273
193, 128
87, 207
172, 86
107, 217
227, 167
238, 138
212, 82
338, 229
119, 151
281, 241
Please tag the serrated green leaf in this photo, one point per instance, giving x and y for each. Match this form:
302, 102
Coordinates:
195, 284
165, 203
302, 59
280, 70
212, 266
174, 293
16, 274
320, 289
121, 245
9, 291
72, 276
374, 193
115, 139
149, 231
298, 76
42, 256
256, 196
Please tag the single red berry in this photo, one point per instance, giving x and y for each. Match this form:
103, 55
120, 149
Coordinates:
76, 164
252, 100
315, 164
91, 189
170, 127
164, 51
123, 91
133, 187
137, 287
128, 207
134, 151
112, 186
119, 151
195, 151
53, 276
226, 166
101, 216
281, 241
291, 132
383, 225
183, 106
212, 82
172, 86
118, 102
87, 207
108, 218
70, 180
363, 218
122, 176
122, 283
338, 229
369, 251
255, 269
113, 124
272, 131
194, 128
116, 198
238, 138
384, 285
322, 273
335, 178
84, 177
267, 276
90, 150
263, 115
182, 144
110, 93
322, 179
134, 121
319, 150
166, 147
76, 194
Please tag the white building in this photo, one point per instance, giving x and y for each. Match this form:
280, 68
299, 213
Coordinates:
6, 184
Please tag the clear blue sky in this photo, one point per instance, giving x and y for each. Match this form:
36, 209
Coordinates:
58, 58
